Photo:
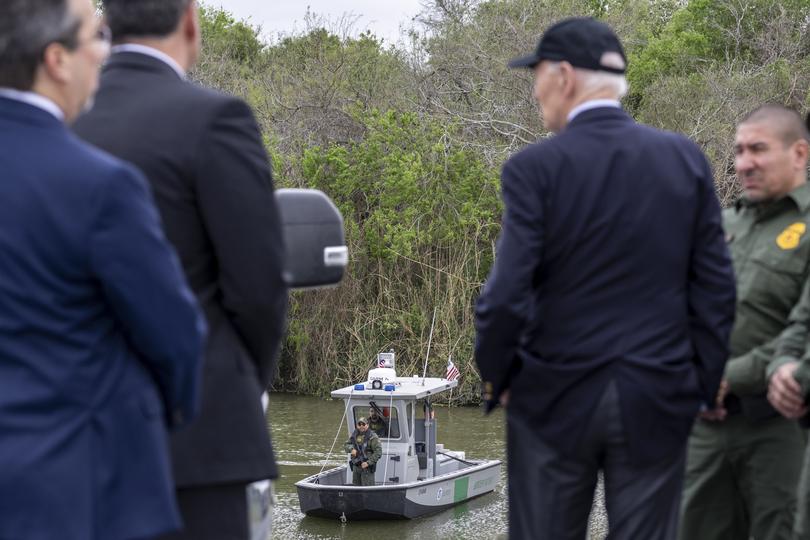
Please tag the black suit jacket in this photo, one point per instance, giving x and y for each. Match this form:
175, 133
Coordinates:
203, 155
611, 265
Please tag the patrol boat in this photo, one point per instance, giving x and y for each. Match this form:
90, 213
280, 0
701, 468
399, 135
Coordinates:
416, 475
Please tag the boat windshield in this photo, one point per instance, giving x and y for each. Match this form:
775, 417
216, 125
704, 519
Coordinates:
384, 421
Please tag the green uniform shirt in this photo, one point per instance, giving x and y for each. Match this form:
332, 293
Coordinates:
770, 249
373, 450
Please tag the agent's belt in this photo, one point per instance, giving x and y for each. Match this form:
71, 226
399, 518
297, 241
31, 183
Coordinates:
752, 407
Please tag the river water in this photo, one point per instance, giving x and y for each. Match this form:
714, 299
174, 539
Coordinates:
304, 430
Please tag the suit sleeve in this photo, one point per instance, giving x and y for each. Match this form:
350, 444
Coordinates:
505, 302
235, 195
711, 290
143, 282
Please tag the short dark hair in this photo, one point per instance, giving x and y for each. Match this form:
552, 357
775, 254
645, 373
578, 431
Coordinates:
143, 18
787, 122
27, 27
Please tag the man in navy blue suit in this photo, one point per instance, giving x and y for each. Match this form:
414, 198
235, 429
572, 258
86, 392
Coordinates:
100, 338
604, 323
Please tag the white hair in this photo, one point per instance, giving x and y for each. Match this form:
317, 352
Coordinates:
602, 80
592, 80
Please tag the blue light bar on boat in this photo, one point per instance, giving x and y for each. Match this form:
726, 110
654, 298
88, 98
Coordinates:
389, 387
359, 386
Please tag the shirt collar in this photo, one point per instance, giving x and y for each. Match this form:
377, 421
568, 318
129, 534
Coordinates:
800, 197
32, 98
150, 51
593, 104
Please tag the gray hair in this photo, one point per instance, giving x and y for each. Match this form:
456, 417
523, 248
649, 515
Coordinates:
592, 80
27, 27
602, 80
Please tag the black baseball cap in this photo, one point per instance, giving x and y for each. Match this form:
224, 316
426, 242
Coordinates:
583, 42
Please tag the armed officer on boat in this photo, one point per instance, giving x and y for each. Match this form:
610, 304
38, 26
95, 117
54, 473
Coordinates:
365, 449
376, 422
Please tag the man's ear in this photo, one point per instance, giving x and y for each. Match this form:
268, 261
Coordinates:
190, 22
567, 78
801, 153
55, 63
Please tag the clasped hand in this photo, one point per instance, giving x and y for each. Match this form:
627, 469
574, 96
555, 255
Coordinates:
785, 393
719, 412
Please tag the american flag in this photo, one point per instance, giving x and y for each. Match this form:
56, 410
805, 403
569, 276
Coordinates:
452, 371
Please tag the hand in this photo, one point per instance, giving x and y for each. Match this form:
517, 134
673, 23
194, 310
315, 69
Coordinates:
719, 412
504, 399
785, 393
364, 465
354, 452
713, 415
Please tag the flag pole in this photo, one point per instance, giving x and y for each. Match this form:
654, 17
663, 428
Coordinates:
430, 339
450, 402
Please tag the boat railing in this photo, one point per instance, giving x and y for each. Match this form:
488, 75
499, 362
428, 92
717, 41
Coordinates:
476, 466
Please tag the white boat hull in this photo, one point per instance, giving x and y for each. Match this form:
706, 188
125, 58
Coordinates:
325, 495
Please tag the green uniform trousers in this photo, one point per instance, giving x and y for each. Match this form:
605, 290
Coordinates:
741, 479
362, 477
803, 512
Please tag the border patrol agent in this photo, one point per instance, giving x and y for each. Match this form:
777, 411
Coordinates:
366, 450
744, 459
789, 388
377, 423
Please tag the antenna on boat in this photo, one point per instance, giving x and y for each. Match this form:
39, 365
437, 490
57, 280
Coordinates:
430, 339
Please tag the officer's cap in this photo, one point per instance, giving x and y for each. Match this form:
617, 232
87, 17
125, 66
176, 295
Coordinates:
583, 42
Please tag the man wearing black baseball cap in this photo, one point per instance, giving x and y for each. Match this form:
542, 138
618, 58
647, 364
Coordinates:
604, 323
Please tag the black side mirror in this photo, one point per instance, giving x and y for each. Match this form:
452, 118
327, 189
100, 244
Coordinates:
313, 235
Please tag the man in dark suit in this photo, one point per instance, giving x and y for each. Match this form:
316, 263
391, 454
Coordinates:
203, 155
605, 321
101, 341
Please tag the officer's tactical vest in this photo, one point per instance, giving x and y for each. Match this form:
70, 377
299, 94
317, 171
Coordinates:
362, 446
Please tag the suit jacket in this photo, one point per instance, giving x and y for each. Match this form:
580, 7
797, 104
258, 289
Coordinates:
101, 341
203, 155
611, 265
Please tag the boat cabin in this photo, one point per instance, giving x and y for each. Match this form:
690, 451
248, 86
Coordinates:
415, 476
406, 425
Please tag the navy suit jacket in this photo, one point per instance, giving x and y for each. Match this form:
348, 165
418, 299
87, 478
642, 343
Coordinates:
611, 265
100, 341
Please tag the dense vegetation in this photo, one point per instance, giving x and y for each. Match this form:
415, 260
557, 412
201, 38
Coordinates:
408, 139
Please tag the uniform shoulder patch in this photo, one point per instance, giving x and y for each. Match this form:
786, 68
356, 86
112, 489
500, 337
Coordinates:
791, 236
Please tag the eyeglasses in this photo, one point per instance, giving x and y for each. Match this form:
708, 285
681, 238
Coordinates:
361, 423
103, 35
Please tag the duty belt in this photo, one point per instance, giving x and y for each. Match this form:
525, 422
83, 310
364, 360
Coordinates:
752, 407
